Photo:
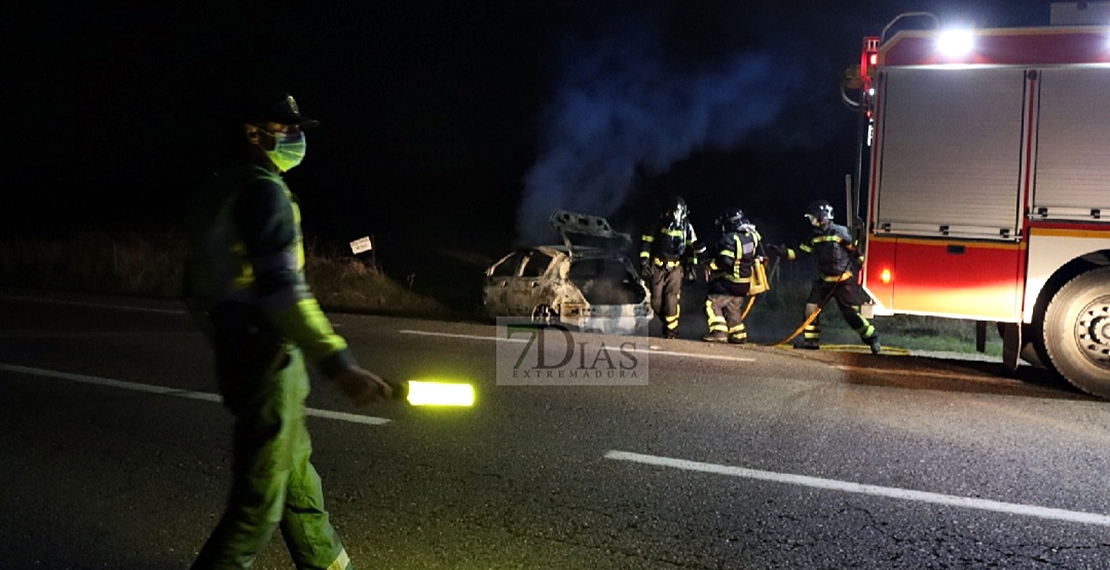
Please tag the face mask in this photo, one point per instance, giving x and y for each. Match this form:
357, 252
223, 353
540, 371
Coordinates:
289, 150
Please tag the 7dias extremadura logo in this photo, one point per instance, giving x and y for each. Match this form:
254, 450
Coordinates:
534, 354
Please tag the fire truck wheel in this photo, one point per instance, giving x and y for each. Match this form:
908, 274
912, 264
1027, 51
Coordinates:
1076, 332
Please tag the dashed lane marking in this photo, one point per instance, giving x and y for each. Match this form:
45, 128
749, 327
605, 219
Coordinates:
874, 490
651, 351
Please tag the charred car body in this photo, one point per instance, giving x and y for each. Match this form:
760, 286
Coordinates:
592, 288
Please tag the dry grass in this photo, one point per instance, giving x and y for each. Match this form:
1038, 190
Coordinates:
151, 265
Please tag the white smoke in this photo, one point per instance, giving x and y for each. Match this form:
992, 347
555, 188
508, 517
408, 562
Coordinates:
623, 106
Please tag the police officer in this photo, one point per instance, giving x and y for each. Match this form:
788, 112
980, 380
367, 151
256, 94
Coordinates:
730, 276
835, 250
669, 251
245, 286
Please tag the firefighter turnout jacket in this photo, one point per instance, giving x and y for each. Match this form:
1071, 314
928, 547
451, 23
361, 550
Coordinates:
671, 244
835, 250
735, 255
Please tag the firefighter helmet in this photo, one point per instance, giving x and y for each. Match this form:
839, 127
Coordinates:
676, 209
732, 220
819, 213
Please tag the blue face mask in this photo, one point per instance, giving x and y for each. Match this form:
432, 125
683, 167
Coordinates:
289, 149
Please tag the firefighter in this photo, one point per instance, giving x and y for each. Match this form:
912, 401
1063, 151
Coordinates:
836, 251
730, 276
245, 286
668, 252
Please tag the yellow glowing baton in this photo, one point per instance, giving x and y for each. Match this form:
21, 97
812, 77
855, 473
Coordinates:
422, 393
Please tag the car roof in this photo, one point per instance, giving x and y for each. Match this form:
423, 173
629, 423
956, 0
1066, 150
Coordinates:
579, 252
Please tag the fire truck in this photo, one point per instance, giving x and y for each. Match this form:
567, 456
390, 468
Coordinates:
983, 186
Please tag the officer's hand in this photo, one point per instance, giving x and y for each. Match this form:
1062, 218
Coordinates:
362, 386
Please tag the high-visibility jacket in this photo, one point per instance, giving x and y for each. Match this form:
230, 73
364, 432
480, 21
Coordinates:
246, 251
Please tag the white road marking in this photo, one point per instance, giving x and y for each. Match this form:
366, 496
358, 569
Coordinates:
162, 390
651, 351
850, 487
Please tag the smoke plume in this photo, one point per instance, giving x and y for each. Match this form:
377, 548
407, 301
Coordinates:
624, 106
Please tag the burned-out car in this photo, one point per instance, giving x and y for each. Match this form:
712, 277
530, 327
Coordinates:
592, 288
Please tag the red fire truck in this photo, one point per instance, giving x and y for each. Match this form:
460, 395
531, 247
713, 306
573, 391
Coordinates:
988, 192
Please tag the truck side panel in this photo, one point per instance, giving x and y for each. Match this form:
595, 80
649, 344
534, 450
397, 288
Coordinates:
923, 274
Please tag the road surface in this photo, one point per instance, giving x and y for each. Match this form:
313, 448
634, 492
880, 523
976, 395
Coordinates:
114, 453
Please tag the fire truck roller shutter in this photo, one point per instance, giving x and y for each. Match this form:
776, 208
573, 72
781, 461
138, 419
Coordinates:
1072, 157
950, 160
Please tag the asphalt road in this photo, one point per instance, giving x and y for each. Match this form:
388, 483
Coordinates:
114, 454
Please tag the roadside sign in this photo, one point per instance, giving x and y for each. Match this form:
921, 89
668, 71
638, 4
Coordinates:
360, 245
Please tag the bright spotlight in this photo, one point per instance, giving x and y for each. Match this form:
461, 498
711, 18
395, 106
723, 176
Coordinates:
955, 43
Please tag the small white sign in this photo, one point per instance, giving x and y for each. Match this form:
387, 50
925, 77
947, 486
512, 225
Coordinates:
360, 245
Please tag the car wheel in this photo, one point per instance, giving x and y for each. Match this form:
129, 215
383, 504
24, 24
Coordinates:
1076, 332
544, 314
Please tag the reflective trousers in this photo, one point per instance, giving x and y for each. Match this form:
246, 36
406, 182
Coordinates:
724, 308
264, 383
848, 296
666, 291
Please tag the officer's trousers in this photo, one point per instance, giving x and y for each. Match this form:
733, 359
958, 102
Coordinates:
264, 383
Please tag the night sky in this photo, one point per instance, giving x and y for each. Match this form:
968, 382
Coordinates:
447, 124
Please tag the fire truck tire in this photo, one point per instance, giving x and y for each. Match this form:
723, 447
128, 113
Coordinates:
1076, 335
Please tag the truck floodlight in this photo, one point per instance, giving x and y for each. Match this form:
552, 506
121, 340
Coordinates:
955, 42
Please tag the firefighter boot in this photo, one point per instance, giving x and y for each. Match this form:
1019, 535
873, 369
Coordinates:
873, 342
716, 336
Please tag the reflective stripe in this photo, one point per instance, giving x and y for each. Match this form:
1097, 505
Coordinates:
827, 239
341, 562
667, 264
837, 278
